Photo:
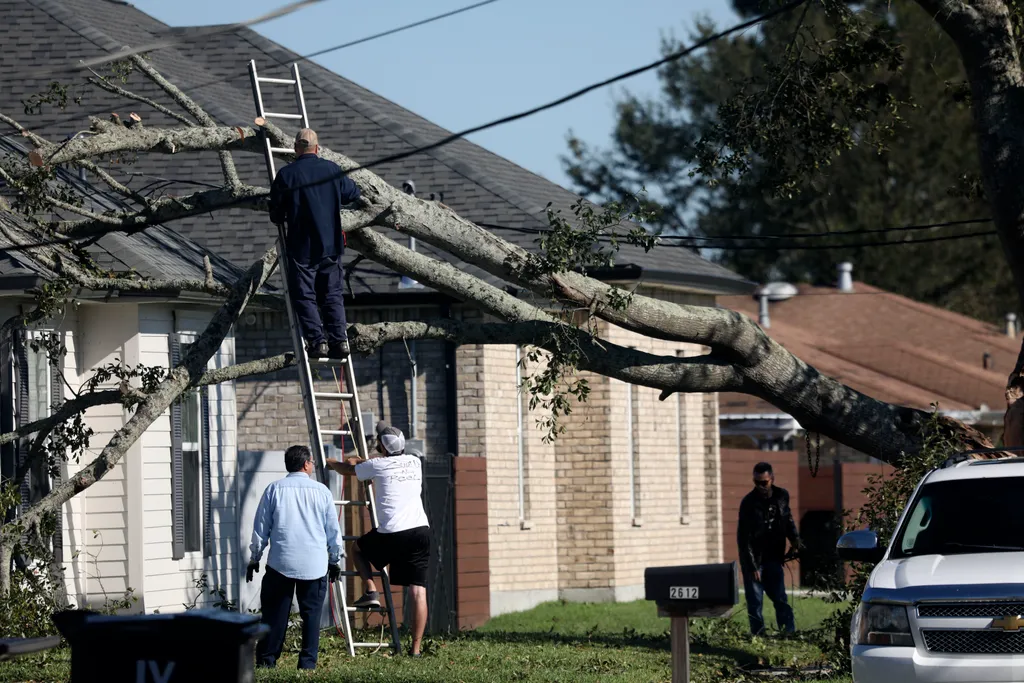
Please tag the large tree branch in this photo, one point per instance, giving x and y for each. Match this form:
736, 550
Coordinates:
165, 210
193, 108
818, 402
192, 367
670, 374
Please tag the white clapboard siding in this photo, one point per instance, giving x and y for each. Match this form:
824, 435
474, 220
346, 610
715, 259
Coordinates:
106, 334
170, 583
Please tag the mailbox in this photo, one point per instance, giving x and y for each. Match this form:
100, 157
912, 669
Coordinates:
700, 590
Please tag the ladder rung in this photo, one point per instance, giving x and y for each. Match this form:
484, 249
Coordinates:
350, 538
352, 572
352, 502
335, 432
282, 150
367, 609
339, 397
283, 81
270, 114
382, 644
325, 361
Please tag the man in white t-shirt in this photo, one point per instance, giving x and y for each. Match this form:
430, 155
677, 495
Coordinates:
401, 540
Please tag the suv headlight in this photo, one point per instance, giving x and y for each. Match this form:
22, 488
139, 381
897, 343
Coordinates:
875, 624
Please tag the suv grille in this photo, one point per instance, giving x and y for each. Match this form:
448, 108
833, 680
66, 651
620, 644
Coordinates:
974, 642
970, 609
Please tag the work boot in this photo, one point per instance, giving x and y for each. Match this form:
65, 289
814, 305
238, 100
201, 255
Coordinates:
339, 350
368, 600
318, 350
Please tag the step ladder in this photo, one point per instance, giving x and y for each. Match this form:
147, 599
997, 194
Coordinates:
346, 394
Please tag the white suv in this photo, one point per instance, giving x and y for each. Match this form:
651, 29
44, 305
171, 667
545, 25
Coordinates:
946, 599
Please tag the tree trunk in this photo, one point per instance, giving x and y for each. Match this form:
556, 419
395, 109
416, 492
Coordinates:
6, 556
984, 35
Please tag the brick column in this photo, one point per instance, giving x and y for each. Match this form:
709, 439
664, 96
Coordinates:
473, 576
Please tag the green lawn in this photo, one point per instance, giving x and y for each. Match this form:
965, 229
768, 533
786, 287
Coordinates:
556, 642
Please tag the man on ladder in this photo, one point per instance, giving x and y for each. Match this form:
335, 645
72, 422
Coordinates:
307, 196
402, 537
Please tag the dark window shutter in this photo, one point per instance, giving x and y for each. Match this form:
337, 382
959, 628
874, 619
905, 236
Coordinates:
56, 401
21, 359
204, 449
177, 468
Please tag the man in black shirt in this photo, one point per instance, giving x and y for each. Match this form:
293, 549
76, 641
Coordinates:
307, 196
765, 524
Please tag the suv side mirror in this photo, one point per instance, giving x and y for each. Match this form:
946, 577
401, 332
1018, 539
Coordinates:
860, 546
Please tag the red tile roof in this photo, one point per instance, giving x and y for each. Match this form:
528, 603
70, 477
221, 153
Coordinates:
887, 346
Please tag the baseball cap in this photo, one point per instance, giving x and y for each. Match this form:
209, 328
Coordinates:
306, 138
390, 438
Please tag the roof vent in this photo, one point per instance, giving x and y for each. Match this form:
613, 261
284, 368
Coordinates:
1011, 325
773, 291
845, 282
986, 361
409, 187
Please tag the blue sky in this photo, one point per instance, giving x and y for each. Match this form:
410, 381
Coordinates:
482, 64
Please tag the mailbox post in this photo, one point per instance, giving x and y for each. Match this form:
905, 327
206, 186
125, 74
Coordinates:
681, 593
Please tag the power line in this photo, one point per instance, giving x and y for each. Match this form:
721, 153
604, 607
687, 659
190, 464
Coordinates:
397, 30
306, 58
583, 91
780, 235
795, 246
204, 32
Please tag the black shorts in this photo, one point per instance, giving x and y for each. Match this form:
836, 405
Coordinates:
407, 552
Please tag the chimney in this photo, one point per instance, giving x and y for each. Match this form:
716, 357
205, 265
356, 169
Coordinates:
1011, 325
845, 283
762, 312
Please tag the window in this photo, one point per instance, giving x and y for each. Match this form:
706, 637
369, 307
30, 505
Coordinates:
681, 453
938, 525
633, 448
522, 406
191, 456
38, 380
190, 465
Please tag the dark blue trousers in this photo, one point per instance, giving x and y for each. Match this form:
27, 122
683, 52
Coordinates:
276, 598
319, 287
772, 584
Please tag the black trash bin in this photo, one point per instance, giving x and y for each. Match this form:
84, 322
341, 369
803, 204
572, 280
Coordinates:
193, 646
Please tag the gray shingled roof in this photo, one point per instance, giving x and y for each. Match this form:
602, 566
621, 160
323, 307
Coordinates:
481, 186
158, 253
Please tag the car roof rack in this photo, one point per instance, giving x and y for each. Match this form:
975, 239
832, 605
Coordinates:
965, 456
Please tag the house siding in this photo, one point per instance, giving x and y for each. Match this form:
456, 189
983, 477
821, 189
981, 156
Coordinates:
170, 583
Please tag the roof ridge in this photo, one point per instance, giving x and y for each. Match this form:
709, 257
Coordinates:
937, 311
441, 154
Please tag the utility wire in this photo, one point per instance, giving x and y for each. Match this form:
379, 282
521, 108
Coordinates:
679, 54
781, 235
203, 32
389, 32
789, 246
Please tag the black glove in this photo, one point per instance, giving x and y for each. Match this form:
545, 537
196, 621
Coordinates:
333, 572
254, 567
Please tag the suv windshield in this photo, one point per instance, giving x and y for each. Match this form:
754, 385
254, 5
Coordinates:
964, 516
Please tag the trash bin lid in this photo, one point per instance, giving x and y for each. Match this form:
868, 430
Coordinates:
211, 623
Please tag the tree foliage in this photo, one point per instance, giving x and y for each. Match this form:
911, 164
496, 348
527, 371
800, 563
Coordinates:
828, 119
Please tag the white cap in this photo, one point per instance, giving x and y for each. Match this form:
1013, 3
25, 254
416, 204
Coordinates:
390, 438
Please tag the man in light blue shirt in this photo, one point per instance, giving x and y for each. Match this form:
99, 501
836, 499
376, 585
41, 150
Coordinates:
296, 516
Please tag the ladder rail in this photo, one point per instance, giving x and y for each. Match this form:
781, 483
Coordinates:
309, 394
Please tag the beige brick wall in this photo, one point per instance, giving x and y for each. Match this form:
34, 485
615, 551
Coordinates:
523, 550
673, 461
585, 495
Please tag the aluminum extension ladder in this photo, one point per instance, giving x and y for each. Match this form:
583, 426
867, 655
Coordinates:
310, 396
